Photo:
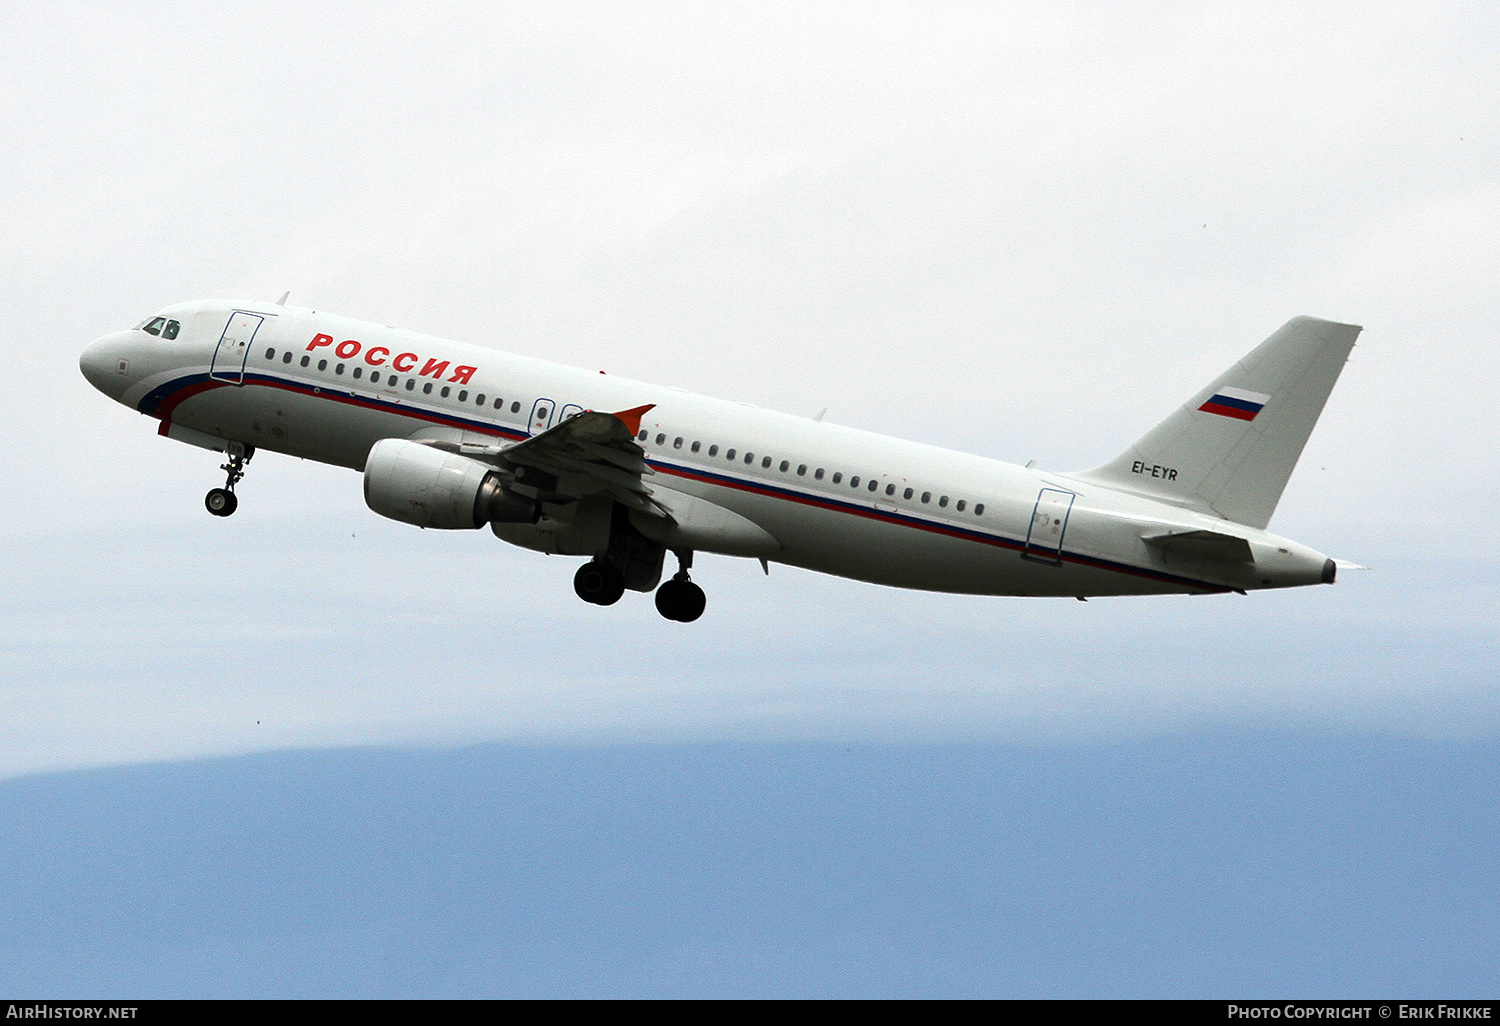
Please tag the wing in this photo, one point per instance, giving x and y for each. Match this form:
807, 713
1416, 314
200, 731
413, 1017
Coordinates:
589, 453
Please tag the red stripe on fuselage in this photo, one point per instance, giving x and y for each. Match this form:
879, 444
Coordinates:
901, 520
770, 492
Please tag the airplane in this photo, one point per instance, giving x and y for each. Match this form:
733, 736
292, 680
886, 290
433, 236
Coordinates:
450, 435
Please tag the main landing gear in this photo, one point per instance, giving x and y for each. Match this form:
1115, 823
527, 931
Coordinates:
221, 501
680, 599
598, 581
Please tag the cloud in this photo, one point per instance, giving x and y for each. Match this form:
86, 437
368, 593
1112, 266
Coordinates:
1028, 232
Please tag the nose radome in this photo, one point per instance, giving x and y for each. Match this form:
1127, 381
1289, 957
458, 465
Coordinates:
106, 365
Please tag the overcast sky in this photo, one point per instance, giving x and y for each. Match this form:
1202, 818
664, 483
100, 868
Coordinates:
1024, 230
1027, 231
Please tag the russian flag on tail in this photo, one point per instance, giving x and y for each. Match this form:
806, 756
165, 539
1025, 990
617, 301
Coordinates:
1239, 403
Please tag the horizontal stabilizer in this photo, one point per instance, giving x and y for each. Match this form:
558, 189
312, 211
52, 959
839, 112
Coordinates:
1224, 548
1231, 448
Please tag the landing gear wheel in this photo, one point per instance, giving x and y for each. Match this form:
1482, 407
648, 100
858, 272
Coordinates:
221, 502
599, 583
680, 600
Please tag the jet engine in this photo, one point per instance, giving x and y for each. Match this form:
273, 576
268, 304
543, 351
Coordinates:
418, 484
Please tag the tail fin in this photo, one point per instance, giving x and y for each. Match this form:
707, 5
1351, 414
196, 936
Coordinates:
1230, 449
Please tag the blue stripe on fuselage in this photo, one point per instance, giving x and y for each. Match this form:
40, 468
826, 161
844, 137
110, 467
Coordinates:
161, 393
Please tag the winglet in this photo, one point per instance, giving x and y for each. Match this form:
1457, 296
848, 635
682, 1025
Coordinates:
632, 418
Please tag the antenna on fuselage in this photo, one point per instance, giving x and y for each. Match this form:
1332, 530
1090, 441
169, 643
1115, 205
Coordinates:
284, 297
819, 418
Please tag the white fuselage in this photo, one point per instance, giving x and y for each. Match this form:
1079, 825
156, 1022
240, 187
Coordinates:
836, 500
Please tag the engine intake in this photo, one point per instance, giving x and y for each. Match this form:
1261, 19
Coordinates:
417, 484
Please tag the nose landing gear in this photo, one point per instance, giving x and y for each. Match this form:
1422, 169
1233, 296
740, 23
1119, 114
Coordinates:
680, 599
221, 501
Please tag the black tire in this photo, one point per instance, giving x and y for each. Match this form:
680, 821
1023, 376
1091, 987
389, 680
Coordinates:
599, 583
221, 502
682, 601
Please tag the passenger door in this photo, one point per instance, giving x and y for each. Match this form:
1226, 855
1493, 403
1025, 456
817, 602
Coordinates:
234, 347
1049, 522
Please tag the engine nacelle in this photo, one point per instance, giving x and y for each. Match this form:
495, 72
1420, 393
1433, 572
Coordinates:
418, 484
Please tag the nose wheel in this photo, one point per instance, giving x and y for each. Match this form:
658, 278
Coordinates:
680, 599
221, 501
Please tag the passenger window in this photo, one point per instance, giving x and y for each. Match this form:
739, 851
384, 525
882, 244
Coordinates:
961, 504
322, 365
729, 455
286, 357
463, 395
765, 463
838, 476
641, 436
890, 489
697, 446
906, 494
784, 465
154, 328
445, 391
270, 354
979, 509
713, 450
818, 475
339, 369
926, 496
411, 384
661, 439
677, 442
749, 458
306, 360
853, 481
874, 484
499, 404
359, 372
479, 399
515, 407
427, 388
943, 501
171, 330
802, 470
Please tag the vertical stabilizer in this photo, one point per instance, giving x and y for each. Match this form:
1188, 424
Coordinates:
1231, 448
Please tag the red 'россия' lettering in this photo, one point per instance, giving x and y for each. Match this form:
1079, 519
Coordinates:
375, 356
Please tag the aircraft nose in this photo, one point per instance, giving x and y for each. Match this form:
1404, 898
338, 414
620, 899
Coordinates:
106, 364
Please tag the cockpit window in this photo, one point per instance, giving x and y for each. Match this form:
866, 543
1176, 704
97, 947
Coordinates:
154, 328
171, 330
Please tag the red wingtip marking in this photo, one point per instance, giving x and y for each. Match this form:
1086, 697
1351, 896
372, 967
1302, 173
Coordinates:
632, 418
